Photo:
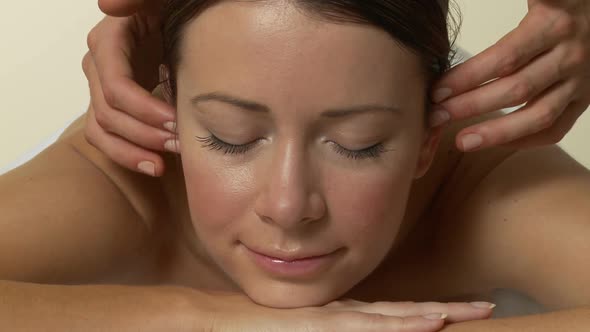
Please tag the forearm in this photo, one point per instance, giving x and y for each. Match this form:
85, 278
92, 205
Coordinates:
36, 307
571, 320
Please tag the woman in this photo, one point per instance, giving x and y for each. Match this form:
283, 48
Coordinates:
542, 62
304, 134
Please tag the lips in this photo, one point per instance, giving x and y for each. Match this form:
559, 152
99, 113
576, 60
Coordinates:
291, 257
298, 265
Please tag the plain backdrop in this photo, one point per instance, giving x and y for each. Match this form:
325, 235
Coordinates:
42, 86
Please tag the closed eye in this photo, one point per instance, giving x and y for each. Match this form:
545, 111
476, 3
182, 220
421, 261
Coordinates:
214, 143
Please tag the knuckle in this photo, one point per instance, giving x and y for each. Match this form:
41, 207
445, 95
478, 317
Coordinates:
508, 63
565, 26
468, 107
86, 63
91, 39
89, 137
374, 320
110, 94
546, 118
103, 120
521, 92
577, 56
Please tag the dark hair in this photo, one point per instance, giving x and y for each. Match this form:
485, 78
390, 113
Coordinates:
419, 25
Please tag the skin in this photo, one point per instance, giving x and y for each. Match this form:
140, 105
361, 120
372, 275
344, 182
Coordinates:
294, 182
543, 61
478, 220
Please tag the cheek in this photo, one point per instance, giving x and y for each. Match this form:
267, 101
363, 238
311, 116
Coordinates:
369, 208
212, 188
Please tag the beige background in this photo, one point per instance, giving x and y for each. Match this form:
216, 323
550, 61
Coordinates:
43, 86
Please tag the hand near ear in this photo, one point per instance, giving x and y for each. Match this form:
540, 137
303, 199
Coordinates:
128, 124
121, 8
544, 62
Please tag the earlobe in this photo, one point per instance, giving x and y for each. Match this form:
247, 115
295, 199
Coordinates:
428, 151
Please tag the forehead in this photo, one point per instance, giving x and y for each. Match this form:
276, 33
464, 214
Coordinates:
281, 48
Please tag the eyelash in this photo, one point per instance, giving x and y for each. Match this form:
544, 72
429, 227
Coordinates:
216, 144
373, 152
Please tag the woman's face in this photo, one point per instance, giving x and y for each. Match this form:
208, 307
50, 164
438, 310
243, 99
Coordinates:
326, 123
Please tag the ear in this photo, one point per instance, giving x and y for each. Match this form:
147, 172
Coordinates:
167, 91
428, 150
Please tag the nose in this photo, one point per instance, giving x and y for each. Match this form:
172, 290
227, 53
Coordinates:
288, 197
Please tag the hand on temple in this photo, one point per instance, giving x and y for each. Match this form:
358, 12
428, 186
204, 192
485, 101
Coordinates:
126, 122
544, 63
121, 8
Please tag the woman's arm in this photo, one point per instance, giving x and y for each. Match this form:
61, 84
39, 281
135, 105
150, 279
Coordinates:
524, 226
70, 217
38, 307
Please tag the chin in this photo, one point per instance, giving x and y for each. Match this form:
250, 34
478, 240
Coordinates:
282, 295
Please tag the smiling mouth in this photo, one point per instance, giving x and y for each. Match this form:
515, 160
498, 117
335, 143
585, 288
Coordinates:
293, 268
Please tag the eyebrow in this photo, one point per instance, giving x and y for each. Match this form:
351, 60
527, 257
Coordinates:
261, 108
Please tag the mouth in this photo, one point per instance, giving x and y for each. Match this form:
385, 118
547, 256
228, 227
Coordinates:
296, 265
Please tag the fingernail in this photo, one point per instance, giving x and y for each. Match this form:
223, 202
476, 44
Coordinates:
439, 117
172, 146
471, 142
147, 167
171, 126
483, 305
435, 316
441, 94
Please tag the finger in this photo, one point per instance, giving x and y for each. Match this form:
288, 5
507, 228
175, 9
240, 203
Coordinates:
123, 125
361, 322
533, 36
554, 134
115, 74
456, 311
537, 115
121, 151
120, 7
510, 91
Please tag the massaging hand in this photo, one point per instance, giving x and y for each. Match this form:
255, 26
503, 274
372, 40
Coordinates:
128, 123
544, 62
232, 312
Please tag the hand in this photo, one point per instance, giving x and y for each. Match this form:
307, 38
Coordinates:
232, 312
122, 8
129, 124
544, 62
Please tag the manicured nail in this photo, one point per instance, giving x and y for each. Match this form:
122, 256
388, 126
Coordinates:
435, 316
483, 305
439, 117
147, 167
471, 142
172, 145
171, 126
441, 94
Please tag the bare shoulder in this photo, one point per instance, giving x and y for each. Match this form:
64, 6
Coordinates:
70, 216
143, 192
519, 220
